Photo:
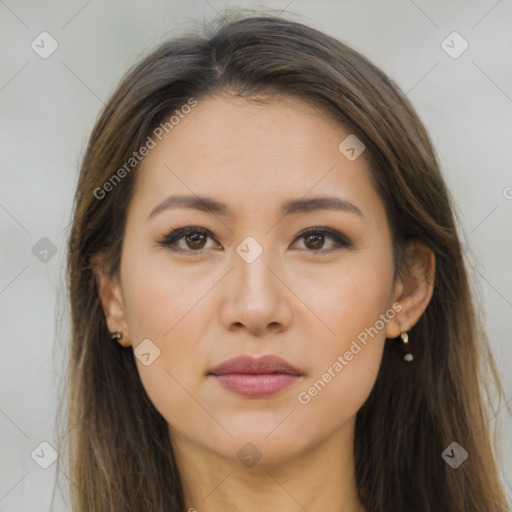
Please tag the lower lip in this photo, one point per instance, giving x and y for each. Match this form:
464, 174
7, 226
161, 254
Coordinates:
256, 385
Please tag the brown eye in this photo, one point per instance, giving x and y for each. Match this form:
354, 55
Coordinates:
315, 239
196, 241
189, 239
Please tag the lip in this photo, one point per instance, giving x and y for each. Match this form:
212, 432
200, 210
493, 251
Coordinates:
257, 378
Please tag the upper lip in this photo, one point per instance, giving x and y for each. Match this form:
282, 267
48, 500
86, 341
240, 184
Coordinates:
251, 365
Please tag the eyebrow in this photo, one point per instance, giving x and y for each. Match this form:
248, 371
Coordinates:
292, 206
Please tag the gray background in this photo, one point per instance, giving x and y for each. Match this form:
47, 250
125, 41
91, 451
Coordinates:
48, 107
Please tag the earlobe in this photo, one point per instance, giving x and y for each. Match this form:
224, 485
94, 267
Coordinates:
414, 291
110, 293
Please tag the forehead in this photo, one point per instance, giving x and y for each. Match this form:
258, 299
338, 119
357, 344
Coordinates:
253, 155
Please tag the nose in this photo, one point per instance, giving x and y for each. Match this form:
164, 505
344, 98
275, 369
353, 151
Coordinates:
256, 297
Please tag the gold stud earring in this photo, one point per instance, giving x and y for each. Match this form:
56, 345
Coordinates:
116, 335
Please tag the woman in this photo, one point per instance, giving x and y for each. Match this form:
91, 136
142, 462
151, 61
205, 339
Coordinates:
270, 306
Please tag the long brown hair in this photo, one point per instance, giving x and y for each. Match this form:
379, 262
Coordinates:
120, 456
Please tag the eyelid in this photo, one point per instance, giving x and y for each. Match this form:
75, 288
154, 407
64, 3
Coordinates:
180, 233
340, 240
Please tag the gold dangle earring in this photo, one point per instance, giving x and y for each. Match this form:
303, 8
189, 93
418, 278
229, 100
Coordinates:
407, 356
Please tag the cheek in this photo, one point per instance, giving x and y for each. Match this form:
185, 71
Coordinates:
348, 299
346, 364
164, 305
160, 298
354, 305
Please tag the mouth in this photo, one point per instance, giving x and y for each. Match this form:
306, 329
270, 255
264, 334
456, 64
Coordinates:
256, 378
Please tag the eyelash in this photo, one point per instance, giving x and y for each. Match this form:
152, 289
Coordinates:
176, 235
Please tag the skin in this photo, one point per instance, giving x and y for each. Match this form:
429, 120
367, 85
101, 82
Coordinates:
304, 305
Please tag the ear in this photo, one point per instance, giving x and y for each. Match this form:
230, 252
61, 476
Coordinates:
112, 301
414, 291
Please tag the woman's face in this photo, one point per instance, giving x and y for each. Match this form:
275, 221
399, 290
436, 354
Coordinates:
252, 278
